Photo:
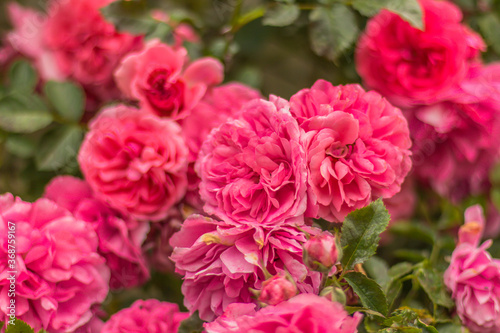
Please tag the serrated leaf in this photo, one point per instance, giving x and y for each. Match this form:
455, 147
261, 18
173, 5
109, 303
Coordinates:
19, 326
368, 291
408, 10
282, 14
22, 76
58, 148
432, 283
191, 325
67, 98
333, 30
23, 114
360, 233
489, 25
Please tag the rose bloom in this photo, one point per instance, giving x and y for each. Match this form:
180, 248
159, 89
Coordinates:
301, 314
474, 277
410, 66
357, 147
456, 141
149, 316
160, 77
60, 276
220, 262
120, 237
135, 162
253, 168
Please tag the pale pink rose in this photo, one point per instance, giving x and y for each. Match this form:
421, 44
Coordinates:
277, 289
60, 276
474, 277
135, 161
148, 316
410, 66
164, 82
456, 141
320, 252
220, 262
120, 237
253, 168
300, 314
357, 147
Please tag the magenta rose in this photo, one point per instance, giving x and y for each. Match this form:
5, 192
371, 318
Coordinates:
220, 262
300, 314
135, 161
410, 66
60, 275
149, 316
160, 78
253, 168
120, 237
357, 147
474, 277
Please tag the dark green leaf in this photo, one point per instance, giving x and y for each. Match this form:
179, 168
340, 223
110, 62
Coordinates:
489, 24
411, 255
414, 231
281, 14
408, 10
131, 16
369, 292
19, 326
58, 148
352, 309
67, 98
333, 30
433, 284
360, 233
192, 325
20, 145
23, 114
450, 328
22, 76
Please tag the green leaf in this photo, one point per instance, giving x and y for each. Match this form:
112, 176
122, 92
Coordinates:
67, 98
58, 148
360, 233
192, 325
19, 326
414, 231
22, 76
333, 30
282, 14
1, 325
369, 292
23, 114
433, 285
131, 16
408, 10
20, 145
411, 255
450, 328
352, 309
377, 269
489, 25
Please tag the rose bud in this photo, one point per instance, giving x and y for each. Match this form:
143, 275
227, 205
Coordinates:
277, 289
321, 252
334, 294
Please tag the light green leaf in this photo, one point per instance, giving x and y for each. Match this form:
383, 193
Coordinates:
369, 292
489, 25
433, 284
58, 148
408, 10
377, 269
20, 145
360, 233
333, 30
67, 98
282, 14
19, 326
23, 114
22, 76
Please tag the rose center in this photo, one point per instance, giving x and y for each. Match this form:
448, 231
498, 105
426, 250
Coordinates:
338, 151
164, 96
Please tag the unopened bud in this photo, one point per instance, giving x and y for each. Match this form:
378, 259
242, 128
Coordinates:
320, 252
334, 294
277, 289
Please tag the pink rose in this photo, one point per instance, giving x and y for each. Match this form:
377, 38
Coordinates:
357, 147
120, 237
277, 289
220, 262
135, 162
161, 79
410, 66
301, 314
149, 316
253, 168
474, 277
321, 252
60, 276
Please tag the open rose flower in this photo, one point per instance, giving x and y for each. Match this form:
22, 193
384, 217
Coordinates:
410, 66
160, 77
357, 147
253, 168
220, 262
120, 237
149, 316
60, 276
301, 314
474, 277
135, 162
